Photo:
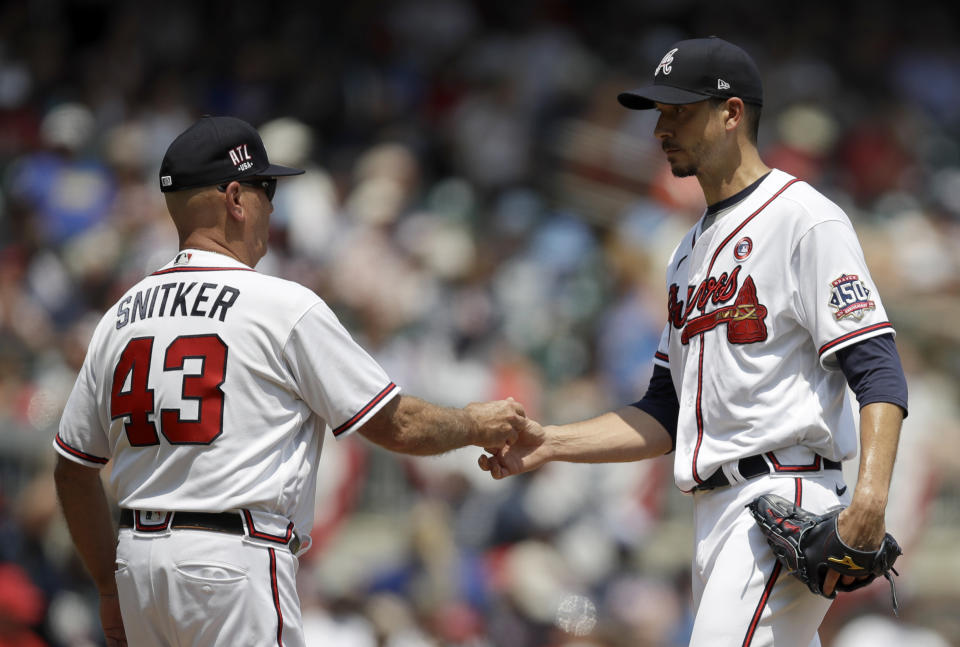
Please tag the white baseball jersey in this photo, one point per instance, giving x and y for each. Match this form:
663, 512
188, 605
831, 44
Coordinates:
759, 304
210, 386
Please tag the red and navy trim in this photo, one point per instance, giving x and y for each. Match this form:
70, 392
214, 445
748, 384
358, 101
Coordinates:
275, 591
377, 399
780, 467
79, 454
699, 409
772, 580
730, 236
171, 270
258, 534
755, 621
663, 357
830, 345
159, 527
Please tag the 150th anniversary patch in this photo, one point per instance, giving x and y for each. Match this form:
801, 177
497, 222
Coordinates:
850, 297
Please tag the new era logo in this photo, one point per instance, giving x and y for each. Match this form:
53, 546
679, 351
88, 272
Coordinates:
166, 180
722, 85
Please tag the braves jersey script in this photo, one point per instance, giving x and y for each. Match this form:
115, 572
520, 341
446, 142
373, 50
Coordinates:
210, 386
759, 304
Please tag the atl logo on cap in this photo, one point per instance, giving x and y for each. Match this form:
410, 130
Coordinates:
240, 157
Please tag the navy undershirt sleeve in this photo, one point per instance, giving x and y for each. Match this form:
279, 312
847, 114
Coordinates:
873, 371
661, 402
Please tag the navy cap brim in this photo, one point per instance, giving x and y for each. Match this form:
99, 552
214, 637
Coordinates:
645, 98
275, 170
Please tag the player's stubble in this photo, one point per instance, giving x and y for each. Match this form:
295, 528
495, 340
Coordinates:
678, 168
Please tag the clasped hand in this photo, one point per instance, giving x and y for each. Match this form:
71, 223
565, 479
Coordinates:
499, 422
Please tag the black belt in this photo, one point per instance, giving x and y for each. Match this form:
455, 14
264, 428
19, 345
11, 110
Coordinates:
228, 522
754, 466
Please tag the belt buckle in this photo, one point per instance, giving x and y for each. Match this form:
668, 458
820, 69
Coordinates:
150, 517
152, 520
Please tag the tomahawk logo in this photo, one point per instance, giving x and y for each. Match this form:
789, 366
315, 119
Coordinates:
666, 63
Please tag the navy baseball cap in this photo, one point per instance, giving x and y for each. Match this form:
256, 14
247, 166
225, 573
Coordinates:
696, 70
216, 150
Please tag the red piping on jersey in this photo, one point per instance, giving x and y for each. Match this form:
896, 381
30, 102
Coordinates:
851, 335
696, 450
79, 454
171, 270
746, 220
360, 414
275, 589
765, 597
663, 357
253, 532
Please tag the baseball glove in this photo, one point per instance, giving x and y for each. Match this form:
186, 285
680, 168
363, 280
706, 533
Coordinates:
808, 545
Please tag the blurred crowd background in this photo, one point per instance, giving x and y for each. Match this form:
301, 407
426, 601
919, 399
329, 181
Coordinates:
487, 221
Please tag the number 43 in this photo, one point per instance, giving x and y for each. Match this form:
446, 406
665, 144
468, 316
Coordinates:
136, 403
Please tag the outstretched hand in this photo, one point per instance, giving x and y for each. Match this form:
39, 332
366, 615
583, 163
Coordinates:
498, 423
527, 452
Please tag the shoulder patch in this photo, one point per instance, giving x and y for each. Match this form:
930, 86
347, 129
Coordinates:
850, 297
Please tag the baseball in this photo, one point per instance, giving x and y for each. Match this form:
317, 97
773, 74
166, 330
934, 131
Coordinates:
577, 615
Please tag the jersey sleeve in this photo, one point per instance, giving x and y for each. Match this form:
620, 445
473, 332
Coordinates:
336, 377
838, 300
661, 402
81, 436
873, 371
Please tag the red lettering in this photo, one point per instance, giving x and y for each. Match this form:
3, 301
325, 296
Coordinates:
711, 290
730, 288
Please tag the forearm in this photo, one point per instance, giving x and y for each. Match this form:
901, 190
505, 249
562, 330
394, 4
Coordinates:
862, 524
410, 425
879, 437
425, 429
628, 434
89, 520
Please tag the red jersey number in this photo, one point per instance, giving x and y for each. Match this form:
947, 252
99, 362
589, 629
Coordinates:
137, 400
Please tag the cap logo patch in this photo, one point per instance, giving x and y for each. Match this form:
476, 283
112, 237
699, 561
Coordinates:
166, 180
240, 157
666, 63
722, 85
849, 296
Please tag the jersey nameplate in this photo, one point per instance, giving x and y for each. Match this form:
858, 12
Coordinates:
177, 299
